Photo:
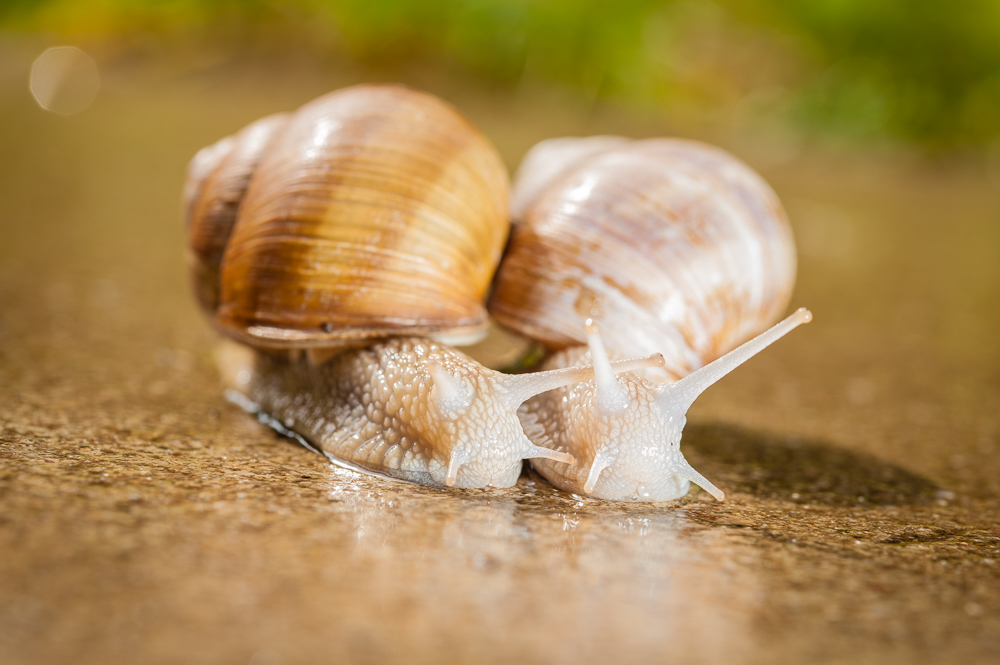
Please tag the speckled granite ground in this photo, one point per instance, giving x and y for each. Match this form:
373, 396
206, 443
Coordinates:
144, 519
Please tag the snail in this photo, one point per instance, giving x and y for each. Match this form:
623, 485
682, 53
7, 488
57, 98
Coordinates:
337, 241
683, 250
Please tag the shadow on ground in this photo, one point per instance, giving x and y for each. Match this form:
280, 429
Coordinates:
776, 466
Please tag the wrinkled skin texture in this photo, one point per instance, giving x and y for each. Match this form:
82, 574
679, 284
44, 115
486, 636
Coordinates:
374, 408
638, 449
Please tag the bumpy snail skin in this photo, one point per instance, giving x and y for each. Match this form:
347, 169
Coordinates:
411, 409
625, 432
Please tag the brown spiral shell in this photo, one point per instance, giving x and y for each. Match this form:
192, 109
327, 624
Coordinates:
370, 212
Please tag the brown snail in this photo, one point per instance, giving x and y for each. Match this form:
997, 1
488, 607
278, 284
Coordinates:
684, 251
373, 212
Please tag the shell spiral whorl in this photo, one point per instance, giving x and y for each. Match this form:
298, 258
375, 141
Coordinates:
371, 211
686, 249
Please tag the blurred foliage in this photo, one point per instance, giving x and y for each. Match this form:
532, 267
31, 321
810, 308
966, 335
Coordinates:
919, 70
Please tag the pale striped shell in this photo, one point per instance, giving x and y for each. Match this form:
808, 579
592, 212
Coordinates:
677, 246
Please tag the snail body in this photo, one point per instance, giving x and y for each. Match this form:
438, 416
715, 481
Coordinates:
411, 409
681, 249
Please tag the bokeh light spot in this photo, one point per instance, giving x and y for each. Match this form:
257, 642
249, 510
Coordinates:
64, 80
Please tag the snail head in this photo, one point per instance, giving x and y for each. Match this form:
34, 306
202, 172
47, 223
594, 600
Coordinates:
635, 426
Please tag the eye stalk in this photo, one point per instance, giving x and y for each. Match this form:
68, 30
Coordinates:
676, 398
459, 456
518, 388
452, 396
612, 398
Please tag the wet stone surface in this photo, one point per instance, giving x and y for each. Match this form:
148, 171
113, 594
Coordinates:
145, 519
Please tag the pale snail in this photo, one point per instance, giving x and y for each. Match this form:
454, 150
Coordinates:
688, 253
372, 212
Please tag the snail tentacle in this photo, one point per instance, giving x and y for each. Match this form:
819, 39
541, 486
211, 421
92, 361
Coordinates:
459, 456
602, 460
676, 398
683, 469
518, 388
612, 399
452, 396
539, 452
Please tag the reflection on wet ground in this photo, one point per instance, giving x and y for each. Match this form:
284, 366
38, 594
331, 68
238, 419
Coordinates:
144, 519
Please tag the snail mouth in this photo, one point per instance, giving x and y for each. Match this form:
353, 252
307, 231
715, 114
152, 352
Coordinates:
641, 493
655, 491
507, 478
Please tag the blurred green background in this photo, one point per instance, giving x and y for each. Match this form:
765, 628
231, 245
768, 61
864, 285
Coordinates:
918, 73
